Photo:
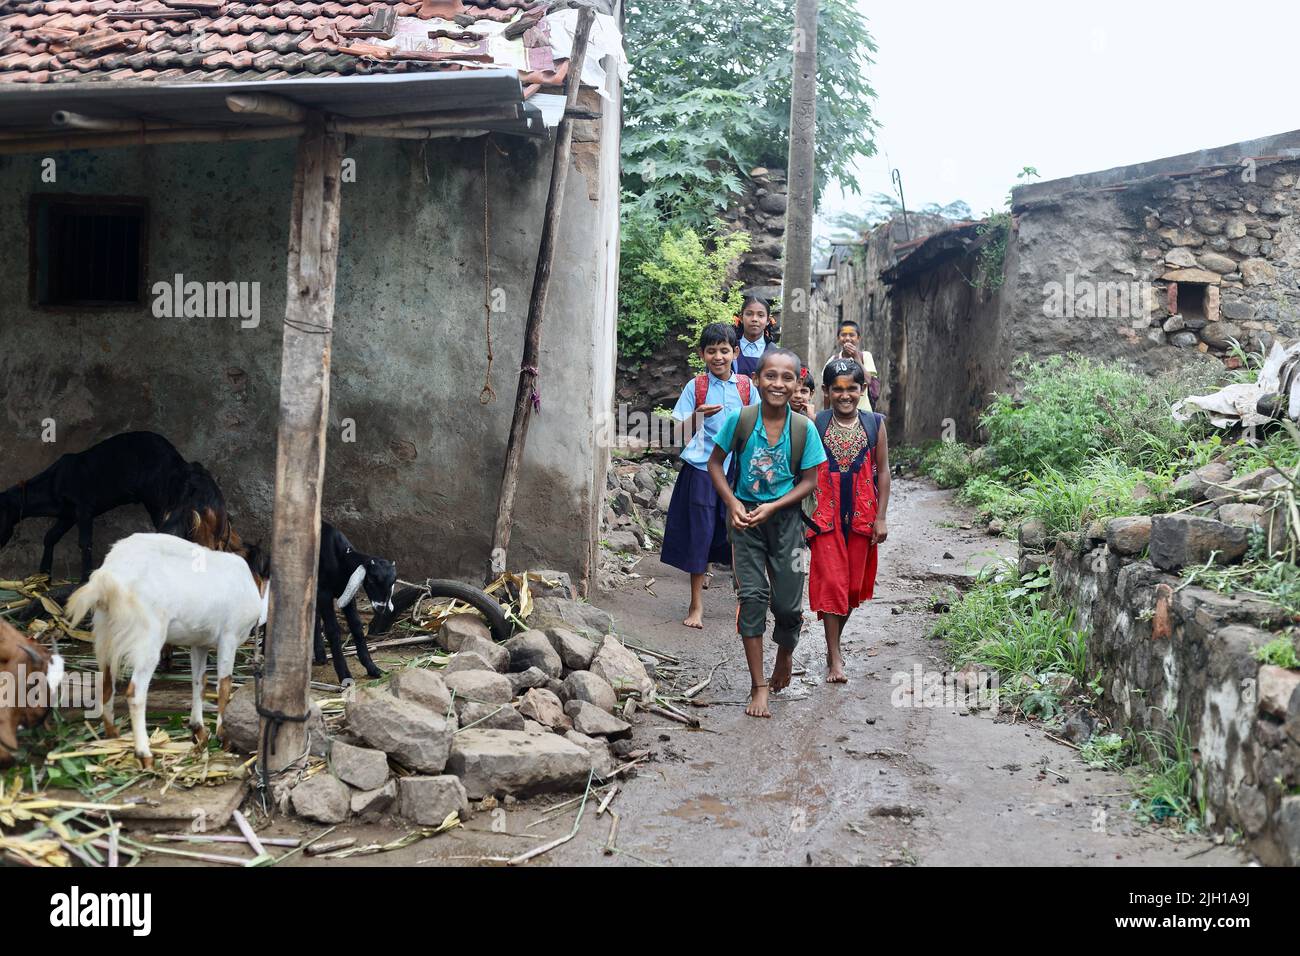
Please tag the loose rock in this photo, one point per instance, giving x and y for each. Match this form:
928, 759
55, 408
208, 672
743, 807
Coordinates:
358, 767
533, 649
622, 670
370, 804
500, 762
544, 707
589, 687
421, 686
591, 720
466, 661
486, 687
490, 716
323, 798
575, 652
1199, 484
413, 735
457, 628
428, 800
602, 761
526, 679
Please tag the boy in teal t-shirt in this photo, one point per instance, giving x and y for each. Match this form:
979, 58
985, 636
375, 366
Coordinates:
767, 537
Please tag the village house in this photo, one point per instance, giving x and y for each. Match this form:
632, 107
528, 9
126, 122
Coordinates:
147, 203
1161, 263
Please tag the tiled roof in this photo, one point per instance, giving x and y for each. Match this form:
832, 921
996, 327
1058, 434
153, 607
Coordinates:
52, 41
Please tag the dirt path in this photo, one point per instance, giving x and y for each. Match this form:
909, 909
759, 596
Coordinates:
801, 788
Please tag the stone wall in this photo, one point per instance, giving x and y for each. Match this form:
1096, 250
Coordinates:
760, 211
1158, 265
1171, 656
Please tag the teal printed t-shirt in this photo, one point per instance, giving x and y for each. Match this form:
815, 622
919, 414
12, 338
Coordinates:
765, 473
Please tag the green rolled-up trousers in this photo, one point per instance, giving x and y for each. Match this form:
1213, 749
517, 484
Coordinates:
769, 562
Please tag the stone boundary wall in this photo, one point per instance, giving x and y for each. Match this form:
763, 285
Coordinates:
1164, 651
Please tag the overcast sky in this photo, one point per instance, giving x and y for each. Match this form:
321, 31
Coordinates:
969, 93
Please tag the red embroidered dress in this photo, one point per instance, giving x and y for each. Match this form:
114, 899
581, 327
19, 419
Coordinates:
843, 570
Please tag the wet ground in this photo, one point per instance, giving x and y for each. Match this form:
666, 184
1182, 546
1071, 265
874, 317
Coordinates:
839, 775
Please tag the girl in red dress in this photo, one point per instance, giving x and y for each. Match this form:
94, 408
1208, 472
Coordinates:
848, 508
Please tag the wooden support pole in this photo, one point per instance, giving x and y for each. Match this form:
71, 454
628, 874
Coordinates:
796, 325
300, 456
537, 304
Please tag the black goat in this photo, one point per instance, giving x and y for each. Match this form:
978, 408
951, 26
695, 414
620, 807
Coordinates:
182, 498
131, 468
343, 571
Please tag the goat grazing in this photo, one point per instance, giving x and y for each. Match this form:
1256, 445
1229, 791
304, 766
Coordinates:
196, 511
155, 589
131, 468
342, 572
22, 702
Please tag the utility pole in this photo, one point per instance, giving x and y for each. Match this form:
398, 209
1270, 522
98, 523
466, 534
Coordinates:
796, 324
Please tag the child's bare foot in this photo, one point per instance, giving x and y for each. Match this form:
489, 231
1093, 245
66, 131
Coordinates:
780, 678
835, 673
694, 617
758, 702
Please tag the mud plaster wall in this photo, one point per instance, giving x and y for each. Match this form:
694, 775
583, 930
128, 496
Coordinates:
1203, 675
420, 481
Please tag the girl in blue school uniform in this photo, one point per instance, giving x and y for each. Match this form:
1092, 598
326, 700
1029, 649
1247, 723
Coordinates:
695, 531
755, 331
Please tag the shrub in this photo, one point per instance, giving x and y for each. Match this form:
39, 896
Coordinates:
947, 462
695, 284
1280, 652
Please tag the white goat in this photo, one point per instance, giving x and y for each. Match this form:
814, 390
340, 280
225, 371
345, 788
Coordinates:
156, 589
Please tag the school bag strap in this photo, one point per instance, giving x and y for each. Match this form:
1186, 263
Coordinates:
870, 424
702, 388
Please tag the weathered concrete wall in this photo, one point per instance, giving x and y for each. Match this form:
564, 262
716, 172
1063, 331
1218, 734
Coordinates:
1170, 653
420, 480
855, 292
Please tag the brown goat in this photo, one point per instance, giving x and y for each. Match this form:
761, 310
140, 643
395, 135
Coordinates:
20, 658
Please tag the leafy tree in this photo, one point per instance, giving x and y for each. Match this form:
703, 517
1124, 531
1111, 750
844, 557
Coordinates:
721, 69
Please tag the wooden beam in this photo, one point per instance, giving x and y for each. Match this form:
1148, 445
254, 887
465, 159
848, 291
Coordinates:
796, 326
300, 455
496, 563
48, 143
266, 104
423, 133
440, 120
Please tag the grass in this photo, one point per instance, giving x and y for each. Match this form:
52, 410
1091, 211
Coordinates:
1280, 652
1166, 781
1006, 624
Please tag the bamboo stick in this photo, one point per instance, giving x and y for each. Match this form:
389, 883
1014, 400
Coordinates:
440, 120
266, 104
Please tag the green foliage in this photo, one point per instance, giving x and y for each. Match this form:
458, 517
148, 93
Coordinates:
695, 283
1166, 784
1276, 581
947, 463
689, 59
1072, 409
1280, 652
1007, 624
992, 499
1106, 752
680, 159
995, 231
643, 320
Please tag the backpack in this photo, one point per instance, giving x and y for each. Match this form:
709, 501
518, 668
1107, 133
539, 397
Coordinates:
745, 426
702, 388
871, 425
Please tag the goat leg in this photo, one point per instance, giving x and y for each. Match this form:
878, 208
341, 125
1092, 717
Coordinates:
62, 525
323, 605
336, 645
85, 537
106, 693
359, 639
137, 693
199, 680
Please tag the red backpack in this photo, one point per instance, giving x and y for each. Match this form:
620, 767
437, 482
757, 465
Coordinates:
702, 388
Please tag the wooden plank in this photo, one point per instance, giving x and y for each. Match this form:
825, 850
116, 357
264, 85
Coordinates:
300, 456
496, 563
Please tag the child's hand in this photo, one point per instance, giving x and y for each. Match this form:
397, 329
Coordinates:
761, 513
739, 516
879, 531
704, 411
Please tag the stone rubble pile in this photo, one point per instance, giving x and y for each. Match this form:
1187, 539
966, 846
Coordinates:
535, 714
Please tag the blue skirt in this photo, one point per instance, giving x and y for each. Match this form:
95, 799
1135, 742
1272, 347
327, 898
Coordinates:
695, 532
